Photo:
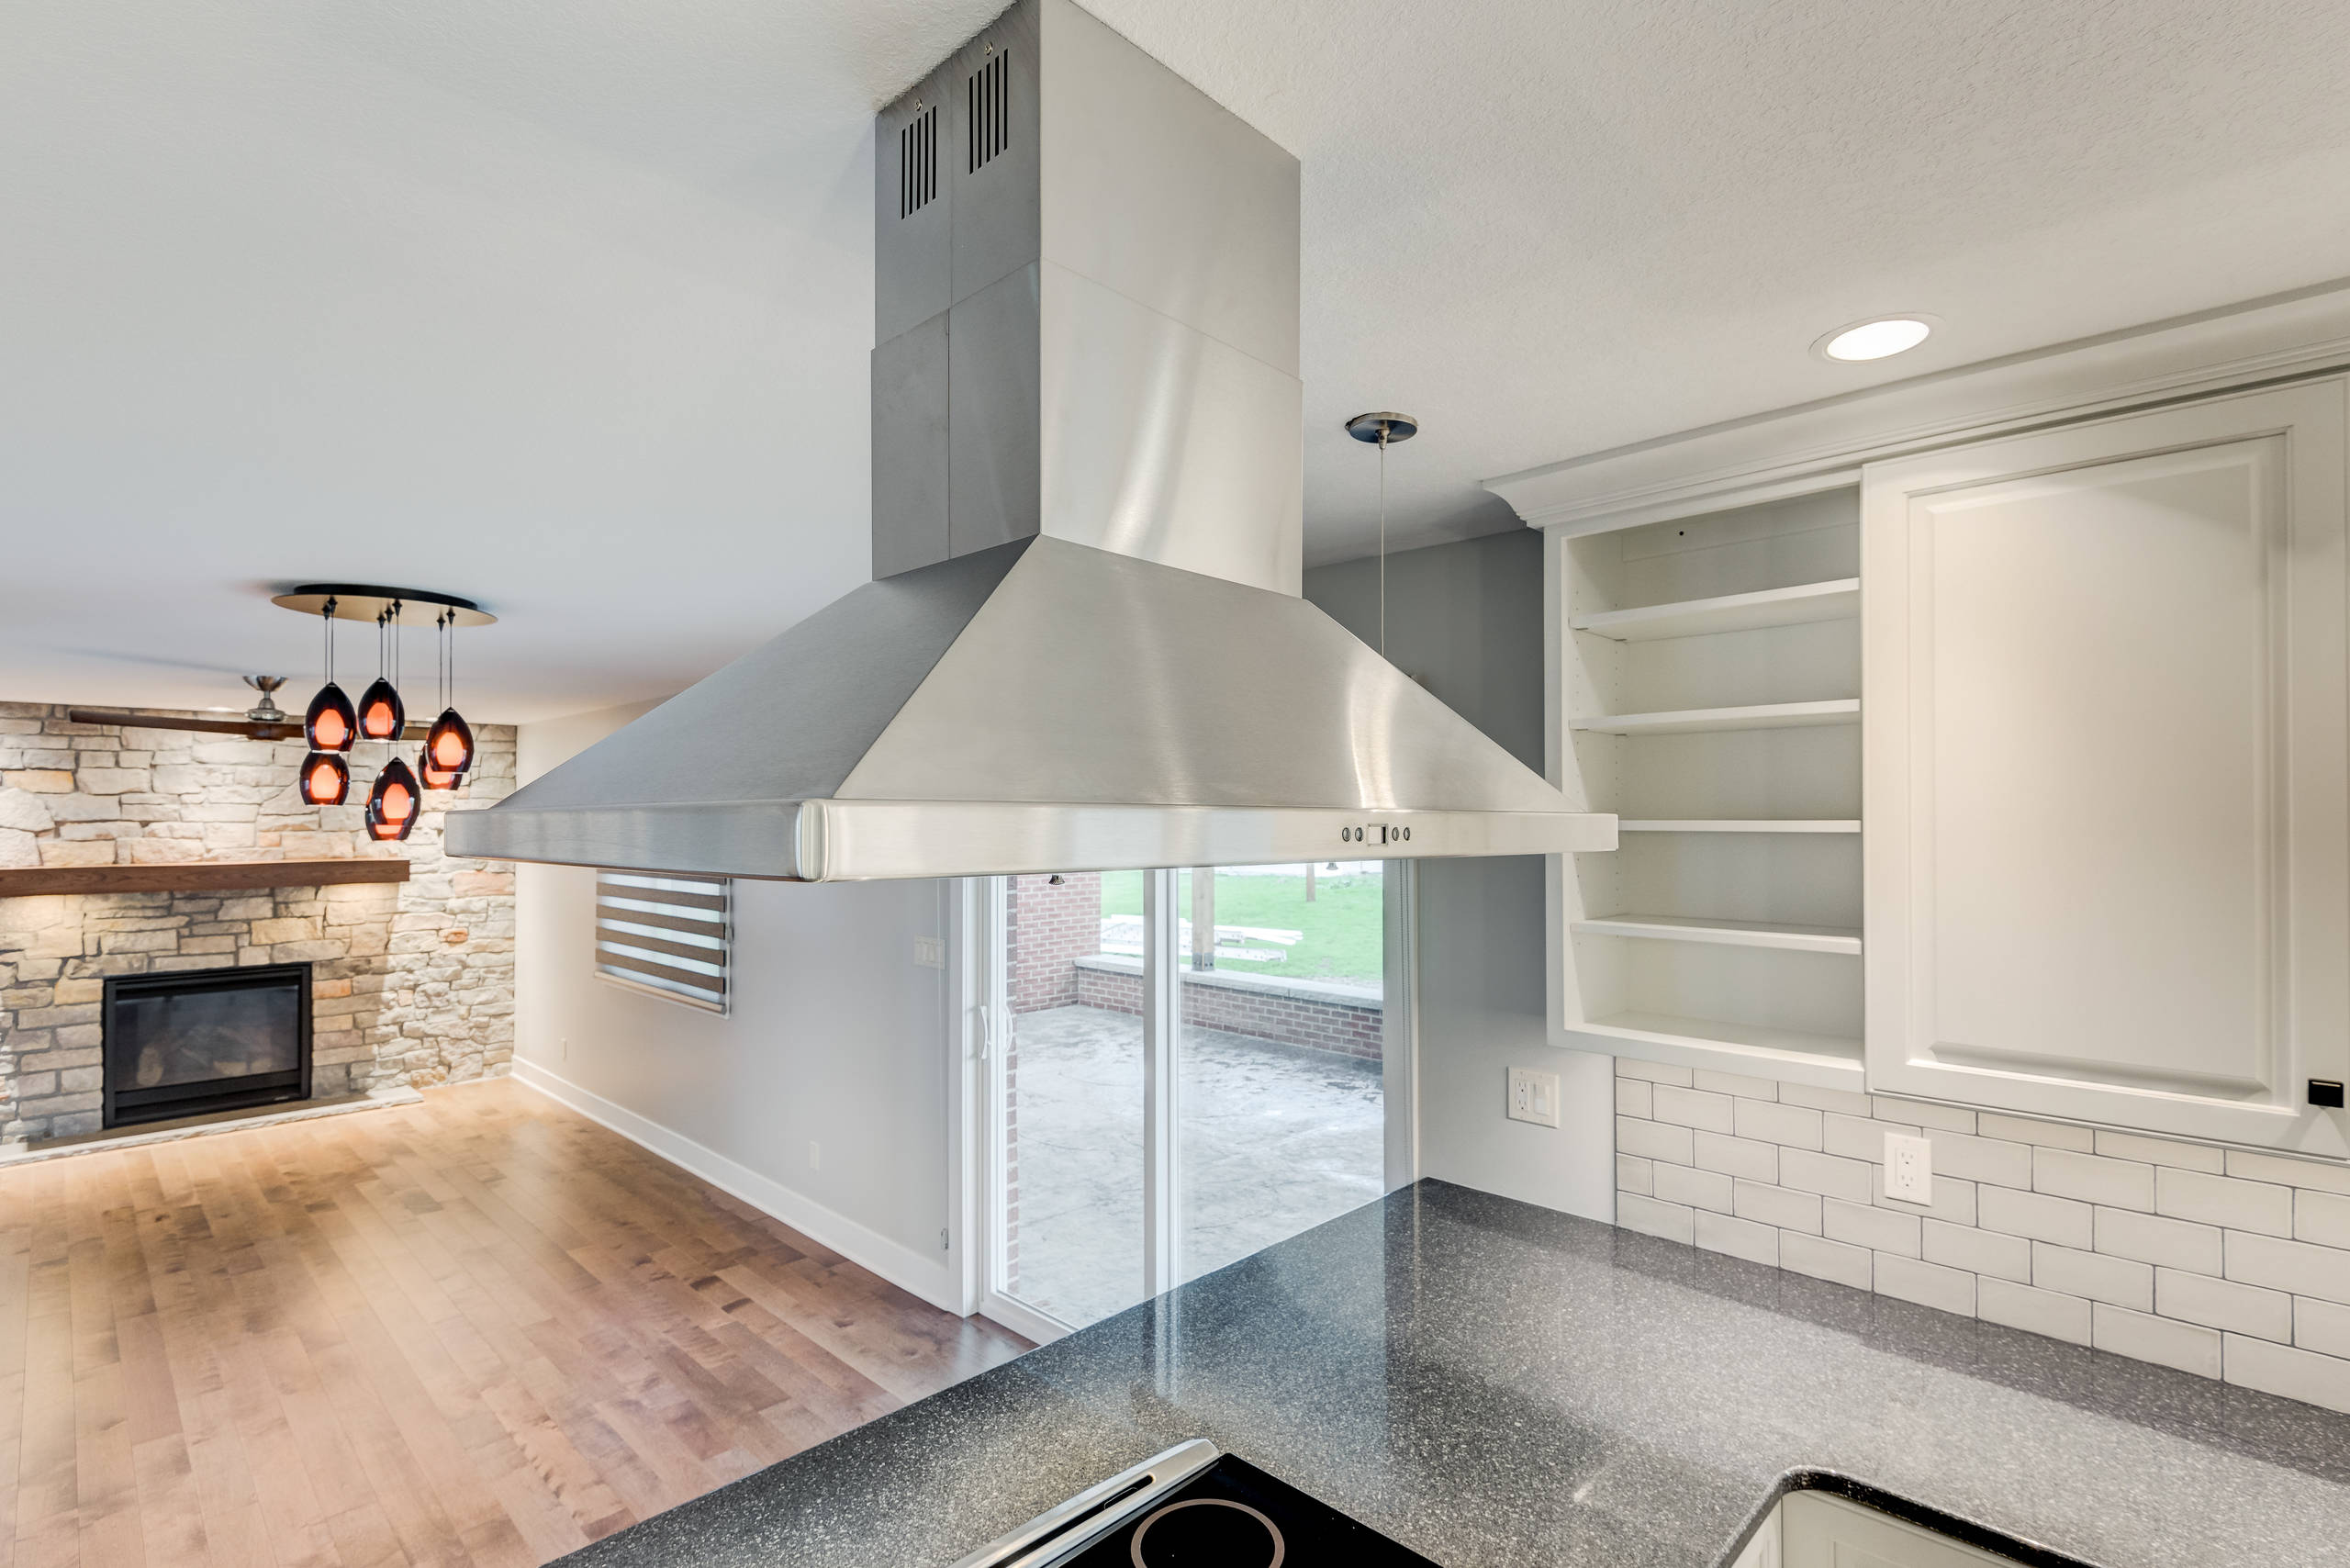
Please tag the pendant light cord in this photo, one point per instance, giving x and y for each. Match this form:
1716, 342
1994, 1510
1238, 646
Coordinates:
1382, 540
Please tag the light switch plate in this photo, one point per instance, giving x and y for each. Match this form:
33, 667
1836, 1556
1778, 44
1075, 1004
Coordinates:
930, 952
1534, 1097
1908, 1168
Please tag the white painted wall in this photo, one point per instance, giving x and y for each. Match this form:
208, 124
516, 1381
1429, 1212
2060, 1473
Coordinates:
836, 1038
1466, 620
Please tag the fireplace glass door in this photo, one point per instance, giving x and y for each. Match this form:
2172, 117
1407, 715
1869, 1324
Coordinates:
183, 1043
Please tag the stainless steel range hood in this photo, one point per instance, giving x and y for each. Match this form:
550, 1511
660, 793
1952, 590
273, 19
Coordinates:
1083, 648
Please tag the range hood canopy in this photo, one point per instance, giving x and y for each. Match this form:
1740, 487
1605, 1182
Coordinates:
1083, 647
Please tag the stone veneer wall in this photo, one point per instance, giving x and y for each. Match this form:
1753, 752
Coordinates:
2222, 1262
413, 982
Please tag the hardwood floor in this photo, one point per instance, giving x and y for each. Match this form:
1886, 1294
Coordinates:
478, 1330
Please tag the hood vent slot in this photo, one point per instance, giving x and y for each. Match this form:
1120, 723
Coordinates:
988, 101
917, 163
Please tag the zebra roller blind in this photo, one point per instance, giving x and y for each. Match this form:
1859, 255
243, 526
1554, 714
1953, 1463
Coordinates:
669, 935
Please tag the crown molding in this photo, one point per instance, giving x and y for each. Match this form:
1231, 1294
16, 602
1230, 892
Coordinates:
1821, 446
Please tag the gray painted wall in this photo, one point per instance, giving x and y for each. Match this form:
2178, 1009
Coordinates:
1466, 621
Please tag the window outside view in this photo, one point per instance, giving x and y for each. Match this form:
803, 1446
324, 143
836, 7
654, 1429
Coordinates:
1283, 1113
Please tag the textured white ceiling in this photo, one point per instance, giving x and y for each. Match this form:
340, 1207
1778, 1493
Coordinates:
565, 305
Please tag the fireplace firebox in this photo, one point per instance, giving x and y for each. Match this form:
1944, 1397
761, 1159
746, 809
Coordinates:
194, 1041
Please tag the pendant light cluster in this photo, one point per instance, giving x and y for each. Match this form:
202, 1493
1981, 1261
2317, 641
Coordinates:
333, 726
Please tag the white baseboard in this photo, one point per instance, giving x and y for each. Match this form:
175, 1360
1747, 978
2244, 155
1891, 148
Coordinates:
904, 1267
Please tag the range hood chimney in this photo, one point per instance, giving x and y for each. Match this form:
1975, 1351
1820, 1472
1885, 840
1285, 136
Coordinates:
1083, 646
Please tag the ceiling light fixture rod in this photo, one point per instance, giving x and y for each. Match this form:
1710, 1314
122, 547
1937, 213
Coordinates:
1380, 429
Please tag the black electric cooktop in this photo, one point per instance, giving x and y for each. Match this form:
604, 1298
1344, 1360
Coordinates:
1233, 1515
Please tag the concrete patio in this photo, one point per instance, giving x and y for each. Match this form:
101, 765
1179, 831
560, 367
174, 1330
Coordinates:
1276, 1139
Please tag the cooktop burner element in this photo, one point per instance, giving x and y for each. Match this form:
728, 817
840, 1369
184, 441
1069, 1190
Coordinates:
1208, 1529
1194, 1508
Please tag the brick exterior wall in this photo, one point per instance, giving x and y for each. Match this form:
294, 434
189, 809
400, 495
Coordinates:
2218, 1261
1348, 1028
412, 983
1051, 929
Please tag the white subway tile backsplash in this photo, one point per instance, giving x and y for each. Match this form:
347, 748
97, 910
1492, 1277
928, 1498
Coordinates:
2295, 1374
2216, 1304
1851, 1180
1925, 1112
2223, 1201
2093, 1179
1929, 1285
1782, 1206
1699, 1189
2294, 1266
2322, 1326
1825, 1259
1980, 1158
1796, 1126
1738, 1157
1634, 1174
1692, 1108
1880, 1230
1978, 1251
2321, 1217
1953, 1200
2093, 1276
1859, 1138
2161, 1152
2219, 1263
1652, 1141
1739, 1238
2042, 1312
1844, 1102
2065, 1220
2166, 1341
2150, 1238
1651, 1217
1737, 1084
2329, 1176
2024, 1129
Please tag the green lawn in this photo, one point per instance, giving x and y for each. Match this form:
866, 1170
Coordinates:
1344, 927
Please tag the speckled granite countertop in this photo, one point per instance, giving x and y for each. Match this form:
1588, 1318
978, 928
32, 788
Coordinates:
1492, 1383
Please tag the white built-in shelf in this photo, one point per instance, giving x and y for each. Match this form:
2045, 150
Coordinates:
1835, 601
1828, 1061
1750, 825
1754, 716
1726, 933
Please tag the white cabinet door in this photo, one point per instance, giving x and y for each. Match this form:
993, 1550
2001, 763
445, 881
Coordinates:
1819, 1530
2104, 774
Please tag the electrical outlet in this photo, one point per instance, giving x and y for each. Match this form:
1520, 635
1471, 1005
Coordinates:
1534, 1097
815, 1155
1908, 1168
930, 952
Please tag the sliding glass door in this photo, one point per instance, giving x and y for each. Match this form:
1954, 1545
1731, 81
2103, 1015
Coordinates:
1192, 1065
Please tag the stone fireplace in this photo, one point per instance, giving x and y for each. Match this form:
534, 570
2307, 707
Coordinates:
185, 1043
410, 983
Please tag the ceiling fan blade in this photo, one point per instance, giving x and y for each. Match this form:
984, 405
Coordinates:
249, 728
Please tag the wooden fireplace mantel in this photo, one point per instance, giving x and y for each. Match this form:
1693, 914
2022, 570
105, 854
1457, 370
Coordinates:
198, 875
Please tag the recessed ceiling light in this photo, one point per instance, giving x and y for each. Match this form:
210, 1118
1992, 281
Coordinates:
1875, 338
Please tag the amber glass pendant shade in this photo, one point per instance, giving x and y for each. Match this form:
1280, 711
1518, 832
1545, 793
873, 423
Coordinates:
392, 803
448, 744
436, 778
326, 778
382, 715
330, 725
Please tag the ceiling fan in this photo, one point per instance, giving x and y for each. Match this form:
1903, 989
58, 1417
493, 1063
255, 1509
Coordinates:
264, 720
